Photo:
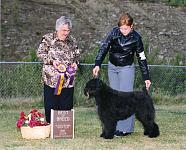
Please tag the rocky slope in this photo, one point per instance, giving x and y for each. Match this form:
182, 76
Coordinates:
24, 22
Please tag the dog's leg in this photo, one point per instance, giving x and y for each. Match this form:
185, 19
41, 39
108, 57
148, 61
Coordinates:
103, 132
147, 128
109, 129
154, 131
151, 129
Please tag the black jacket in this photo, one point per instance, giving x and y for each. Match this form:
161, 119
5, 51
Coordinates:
121, 50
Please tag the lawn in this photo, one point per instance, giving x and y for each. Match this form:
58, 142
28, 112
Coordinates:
171, 119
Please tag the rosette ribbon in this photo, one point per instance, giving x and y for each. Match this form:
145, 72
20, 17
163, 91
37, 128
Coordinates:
61, 69
71, 71
63, 74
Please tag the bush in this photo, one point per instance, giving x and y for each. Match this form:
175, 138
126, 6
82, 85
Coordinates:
176, 2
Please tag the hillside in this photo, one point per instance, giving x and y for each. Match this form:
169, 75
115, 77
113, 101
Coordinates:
24, 22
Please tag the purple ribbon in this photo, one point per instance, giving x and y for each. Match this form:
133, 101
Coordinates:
71, 71
62, 70
65, 72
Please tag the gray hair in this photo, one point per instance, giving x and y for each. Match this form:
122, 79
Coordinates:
62, 21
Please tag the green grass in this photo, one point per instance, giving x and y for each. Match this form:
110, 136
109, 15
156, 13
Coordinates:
171, 119
176, 2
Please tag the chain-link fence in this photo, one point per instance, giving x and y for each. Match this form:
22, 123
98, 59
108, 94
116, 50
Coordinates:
23, 79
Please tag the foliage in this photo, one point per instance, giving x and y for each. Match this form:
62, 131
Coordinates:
32, 57
170, 2
179, 59
89, 57
23, 80
151, 54
176, 2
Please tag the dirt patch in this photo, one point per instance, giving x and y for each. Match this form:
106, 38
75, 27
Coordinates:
24, 22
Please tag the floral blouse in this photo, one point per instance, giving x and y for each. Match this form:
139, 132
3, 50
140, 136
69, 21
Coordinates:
52, 48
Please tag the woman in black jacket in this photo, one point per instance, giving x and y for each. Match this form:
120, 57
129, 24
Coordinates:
121, 43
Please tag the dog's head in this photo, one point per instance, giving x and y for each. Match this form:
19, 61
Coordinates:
93, 87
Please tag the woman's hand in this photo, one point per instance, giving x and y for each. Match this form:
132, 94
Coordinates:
56, 63
75, 66
147, 84
95, 71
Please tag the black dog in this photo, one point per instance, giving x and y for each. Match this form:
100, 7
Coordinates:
115, 105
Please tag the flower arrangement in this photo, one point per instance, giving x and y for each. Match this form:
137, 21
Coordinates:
34, 118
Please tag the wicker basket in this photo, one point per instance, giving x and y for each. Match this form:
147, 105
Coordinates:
38, 132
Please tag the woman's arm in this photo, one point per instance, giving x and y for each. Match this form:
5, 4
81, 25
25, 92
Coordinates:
143, 63
105, 46
42, 52
142, 60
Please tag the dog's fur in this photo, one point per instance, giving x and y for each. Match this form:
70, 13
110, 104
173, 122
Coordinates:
115, 105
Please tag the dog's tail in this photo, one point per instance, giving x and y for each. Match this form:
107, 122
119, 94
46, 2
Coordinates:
145, 90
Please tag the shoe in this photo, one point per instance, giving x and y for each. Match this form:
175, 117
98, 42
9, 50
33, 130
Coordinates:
120, 133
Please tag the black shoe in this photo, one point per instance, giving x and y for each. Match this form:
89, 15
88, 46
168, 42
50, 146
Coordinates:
120, 133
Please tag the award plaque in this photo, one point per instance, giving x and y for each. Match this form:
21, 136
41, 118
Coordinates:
62, 124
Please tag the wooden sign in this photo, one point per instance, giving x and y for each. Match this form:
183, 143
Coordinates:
62, 124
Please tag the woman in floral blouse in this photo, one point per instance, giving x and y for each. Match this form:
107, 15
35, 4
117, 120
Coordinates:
60, 56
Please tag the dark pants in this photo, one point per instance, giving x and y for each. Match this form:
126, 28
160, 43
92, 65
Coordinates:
64, 101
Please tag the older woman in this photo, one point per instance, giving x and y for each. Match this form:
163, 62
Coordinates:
60, 56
